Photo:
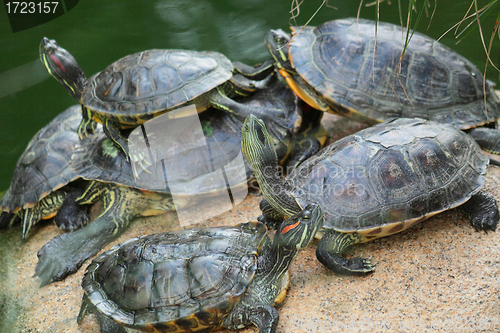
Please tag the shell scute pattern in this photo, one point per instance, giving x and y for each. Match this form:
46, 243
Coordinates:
361, 73
44, 165
433, 168
159, 288
142, 83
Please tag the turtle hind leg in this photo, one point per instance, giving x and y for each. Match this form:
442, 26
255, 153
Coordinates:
45, 208
65, 254
329, 253
7, 219
257, 72
106, 324
483, 211
71, 216
87, 125
116, 136
487, 138
264, 316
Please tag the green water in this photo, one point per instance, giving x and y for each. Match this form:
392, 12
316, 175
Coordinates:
100, 32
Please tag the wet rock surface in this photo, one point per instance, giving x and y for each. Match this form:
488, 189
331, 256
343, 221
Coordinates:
439, 276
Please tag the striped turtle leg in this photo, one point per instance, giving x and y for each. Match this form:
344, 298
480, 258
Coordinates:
264, 316
275, 119
258, 72
329, 253
116, 136
87, 125
487, 138
44, 209
7, 219
483, 211
65, 254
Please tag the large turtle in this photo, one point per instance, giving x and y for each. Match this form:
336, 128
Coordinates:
375, 183
43, 182
355, 68
143, 85
194, 173
197, 279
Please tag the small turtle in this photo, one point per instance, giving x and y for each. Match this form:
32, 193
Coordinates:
43, 182
355, 68
375, 183
125, 196
197, 279
143, 85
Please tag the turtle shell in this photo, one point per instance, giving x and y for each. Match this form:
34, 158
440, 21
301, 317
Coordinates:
44, 166
99, 159
141, 85
385, 178
188, 279
357, 69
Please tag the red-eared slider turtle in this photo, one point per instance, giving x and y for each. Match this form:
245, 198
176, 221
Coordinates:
125, 196
43, 182
354, 68
197, 280
375, 183
143, 85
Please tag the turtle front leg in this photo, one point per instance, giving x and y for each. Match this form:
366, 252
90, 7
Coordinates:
275, 119
483, 211
258, 72
329, 253
264, 316
65, 254
112, 132
487, 138
87, 125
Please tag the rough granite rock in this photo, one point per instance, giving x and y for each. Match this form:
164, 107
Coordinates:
439, 276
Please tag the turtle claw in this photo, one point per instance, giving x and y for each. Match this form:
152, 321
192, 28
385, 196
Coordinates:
66, 253
340, 265
56, 261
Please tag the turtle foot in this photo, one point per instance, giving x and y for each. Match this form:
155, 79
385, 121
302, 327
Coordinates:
62, 256
483, 211
487, 221
341, 265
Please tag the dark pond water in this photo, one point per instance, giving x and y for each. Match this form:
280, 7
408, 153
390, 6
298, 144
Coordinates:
100, 32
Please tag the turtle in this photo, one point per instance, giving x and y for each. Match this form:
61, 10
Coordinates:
374, 183
361, 69
111, 178
197, 280
145, 84
43, 184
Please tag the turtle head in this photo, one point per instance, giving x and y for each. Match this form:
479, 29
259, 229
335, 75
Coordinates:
299, 230
278, 43
63, 67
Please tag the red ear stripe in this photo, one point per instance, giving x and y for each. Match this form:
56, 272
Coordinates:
57, 62
290, 227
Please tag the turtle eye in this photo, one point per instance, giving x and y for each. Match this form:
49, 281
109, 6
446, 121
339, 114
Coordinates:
280, 40
306, 215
